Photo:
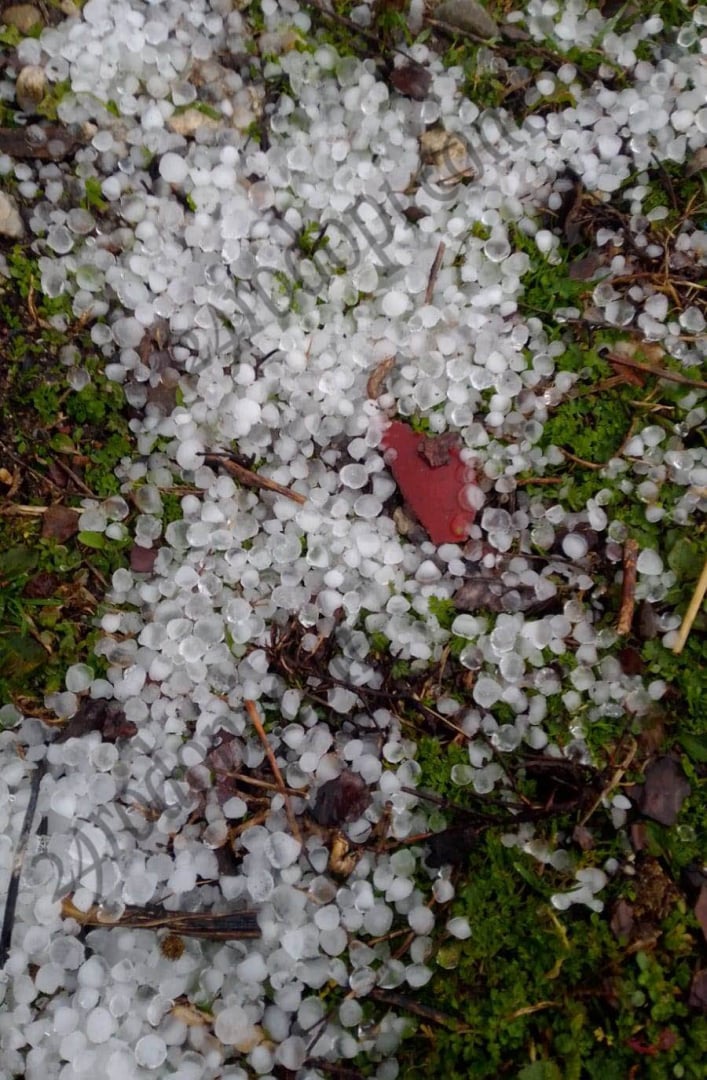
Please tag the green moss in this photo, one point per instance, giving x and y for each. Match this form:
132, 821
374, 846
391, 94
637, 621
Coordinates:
530, 988
444, 611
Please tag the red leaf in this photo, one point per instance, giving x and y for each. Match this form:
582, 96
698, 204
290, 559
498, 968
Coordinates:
437, 496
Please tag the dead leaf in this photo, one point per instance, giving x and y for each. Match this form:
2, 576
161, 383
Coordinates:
378, 376
585, 268
41, 586
701, 910
142, 559
569, 217
188, 1014
342, 858
697, 162
341, 800
583, 837
436, 449
665, 789
100, 715
223, 761
698, 991
621, 921
411, 80
47, 142
448, 153
60, 523
647, 352
9, 482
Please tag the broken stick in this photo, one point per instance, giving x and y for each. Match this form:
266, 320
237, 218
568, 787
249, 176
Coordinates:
628, 587
257, 723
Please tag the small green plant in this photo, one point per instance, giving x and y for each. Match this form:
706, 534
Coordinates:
93, 195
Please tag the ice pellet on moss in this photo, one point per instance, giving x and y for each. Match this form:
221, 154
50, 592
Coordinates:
649, 562
459, 928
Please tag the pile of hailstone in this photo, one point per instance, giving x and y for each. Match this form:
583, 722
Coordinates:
200, 242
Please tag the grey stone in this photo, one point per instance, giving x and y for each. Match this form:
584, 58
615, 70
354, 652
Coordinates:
22, 16
467, 15
11, 224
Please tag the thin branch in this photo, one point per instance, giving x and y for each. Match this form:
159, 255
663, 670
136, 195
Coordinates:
580, 461
528, 481
613, 783
257, 723
214, 926
658, 373
243, 779
628, 587
400, 1001
434, 271
250, 478
77, 479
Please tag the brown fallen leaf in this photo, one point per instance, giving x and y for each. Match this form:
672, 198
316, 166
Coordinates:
60, 523
447, 152
411, 80
698, 991
701, 910
437, 449
569, 216
341, 800
41, 586
99, 715
586, 267
622, 921
188, 1014
697, 162
142, 559
665, 789
9, 482
342, 856
378, 377
46, 142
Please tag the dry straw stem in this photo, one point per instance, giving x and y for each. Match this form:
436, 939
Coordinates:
691, 613
262, 735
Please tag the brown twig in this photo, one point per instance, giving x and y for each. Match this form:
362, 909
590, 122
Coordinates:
658, 373
215, 926
77, 479
434, 271
400, 1001
580, 461
250, 478
528, 481
257, 723
691, 613
628, 587
613, 783
243, 779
